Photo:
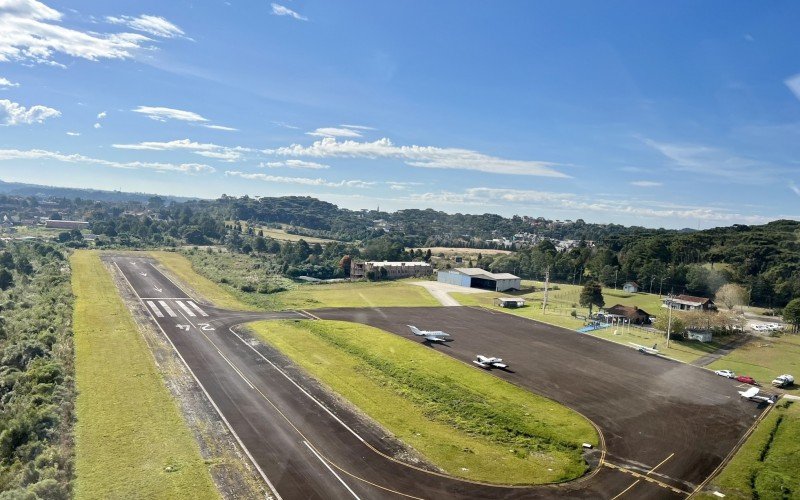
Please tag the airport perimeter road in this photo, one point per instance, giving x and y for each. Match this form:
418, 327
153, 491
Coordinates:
302, 441
661, 420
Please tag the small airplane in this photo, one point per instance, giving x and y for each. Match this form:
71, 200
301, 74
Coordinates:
645, 349
489, 362
430, 336
752, 395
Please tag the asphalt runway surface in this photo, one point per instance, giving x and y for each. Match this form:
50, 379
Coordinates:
666, 425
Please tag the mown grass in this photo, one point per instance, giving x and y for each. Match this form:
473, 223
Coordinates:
532, 309
130, 439
218, 277
463, 420
764, 358
767, 465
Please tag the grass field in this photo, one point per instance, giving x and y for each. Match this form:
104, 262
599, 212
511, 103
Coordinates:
283, 235
130, 439
215, 267
533, 309
467, 422
767, 465
764, 358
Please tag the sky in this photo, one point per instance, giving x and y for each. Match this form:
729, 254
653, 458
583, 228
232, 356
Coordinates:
678, 114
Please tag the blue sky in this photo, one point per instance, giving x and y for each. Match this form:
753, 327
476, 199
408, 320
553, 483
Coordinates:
683, 114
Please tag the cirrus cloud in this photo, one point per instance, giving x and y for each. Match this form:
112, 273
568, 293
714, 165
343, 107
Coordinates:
305, 181
41, 154
152, 25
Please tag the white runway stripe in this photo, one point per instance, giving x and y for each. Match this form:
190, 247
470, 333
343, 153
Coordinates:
155, 309
197, 308
186, 309
168, 309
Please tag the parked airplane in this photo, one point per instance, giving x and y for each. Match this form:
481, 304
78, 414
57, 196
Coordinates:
645, 349
431, 336
752, 395
489, 362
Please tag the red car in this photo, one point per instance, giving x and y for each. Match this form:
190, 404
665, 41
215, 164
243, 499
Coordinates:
746, 380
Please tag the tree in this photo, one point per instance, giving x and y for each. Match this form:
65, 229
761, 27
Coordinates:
731, 295
260, 244
791, 314
428, 255
6, 279
592, 295
677, 328
345, 265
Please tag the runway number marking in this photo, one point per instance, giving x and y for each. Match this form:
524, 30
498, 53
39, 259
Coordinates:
197, 308
183, 327
168, 309
206, 327
159, 290
186, 309
155, 309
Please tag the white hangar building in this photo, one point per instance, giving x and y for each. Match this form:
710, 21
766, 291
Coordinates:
474, 277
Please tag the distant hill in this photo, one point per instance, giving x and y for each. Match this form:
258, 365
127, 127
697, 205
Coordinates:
40, 191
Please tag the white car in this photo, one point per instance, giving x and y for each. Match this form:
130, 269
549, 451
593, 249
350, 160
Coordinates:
725, 373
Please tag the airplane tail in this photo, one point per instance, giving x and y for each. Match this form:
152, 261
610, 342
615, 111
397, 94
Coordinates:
415, 330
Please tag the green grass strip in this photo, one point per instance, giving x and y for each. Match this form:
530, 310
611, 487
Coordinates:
131, 441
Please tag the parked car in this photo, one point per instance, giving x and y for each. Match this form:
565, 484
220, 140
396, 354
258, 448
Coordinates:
725, 373
784, 380
746, 380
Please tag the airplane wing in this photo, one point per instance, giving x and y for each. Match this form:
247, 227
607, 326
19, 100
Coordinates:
749, 393
481, 364
434, 338
500, 365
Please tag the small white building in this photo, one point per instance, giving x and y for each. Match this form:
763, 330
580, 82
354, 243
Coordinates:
509, 302
630, 287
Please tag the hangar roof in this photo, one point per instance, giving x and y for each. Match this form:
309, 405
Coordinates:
480, 273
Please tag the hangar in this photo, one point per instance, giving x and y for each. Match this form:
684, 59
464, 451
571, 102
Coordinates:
474, 277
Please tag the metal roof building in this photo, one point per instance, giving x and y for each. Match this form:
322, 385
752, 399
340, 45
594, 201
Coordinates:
473, 277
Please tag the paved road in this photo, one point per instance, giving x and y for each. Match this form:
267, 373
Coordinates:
306, 445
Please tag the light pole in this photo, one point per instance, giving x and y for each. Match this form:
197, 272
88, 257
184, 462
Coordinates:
651, 283
660, 285
669, 319
615, 278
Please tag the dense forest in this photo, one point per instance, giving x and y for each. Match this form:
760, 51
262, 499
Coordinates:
36, 372
765, 259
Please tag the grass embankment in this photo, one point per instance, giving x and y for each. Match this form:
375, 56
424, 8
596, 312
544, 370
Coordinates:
764, 358
131, 441
219, 278
465, 421
766, 466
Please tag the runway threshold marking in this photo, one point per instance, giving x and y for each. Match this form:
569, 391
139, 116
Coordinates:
155, 308
197, 308
626, 489
330, 469
252, 459
186, 309
646, 478
168, 309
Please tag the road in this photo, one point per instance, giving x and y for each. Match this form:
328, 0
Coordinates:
305, 445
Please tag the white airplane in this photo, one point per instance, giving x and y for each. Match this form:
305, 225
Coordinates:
645, 349
752, 395
431, 336
489, 362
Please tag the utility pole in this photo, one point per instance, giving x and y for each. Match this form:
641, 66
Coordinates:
660, 285
615, 278
546, 287
669, 319
651, 283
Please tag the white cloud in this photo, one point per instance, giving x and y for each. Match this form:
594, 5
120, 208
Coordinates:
31, 34
420, 156
334, 132
357, 127
5, 82
646, 183
153, 25
73, 134
305, 181
794, 188
793, 83
163, 114
208, 150
401, 186
579, 204
101, 115
11, 113
709, 161
280, 10
97, 125
40, 154
295, 164
285, 125
221, 127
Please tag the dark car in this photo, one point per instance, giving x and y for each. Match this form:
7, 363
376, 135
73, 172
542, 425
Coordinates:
746, 380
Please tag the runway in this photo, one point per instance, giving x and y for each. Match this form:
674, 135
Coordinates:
306, 445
